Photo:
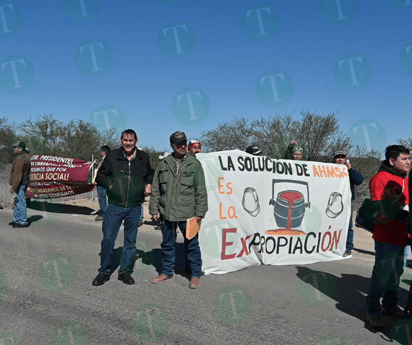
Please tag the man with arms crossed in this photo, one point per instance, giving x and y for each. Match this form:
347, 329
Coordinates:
179, 193
389, 190
127, 177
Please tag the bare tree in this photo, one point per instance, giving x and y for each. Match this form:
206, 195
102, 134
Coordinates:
406, 142
321, 136
367, 162
228, 136
318, 135
7, 136
43, 135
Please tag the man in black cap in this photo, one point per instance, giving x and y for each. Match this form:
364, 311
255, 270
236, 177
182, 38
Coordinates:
355, 178
178, 194
19, 181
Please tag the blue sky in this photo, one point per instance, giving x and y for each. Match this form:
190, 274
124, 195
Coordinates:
159, 66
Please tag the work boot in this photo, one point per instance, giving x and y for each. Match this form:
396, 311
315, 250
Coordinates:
126, 278
101, 279
18, 225
397, 312
194, 283
161, 278
375, 321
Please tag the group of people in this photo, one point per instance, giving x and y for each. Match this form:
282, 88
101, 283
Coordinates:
178, 193
389, 195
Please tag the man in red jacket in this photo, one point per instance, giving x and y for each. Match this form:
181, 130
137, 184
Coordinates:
390, 192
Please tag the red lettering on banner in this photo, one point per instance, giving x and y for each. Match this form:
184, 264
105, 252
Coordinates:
323, 241
227, 244
244, 246
336, 239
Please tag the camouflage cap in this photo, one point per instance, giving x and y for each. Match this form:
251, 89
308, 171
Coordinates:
178, 138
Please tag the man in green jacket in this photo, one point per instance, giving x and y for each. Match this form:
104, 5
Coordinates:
178, 194
19, 181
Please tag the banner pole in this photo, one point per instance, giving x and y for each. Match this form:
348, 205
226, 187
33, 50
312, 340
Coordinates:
93, 175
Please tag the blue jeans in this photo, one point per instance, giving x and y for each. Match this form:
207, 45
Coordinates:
191, 249
141, 213
351, 235
388, 268
20, 209
101, 195
406, 256
111, 226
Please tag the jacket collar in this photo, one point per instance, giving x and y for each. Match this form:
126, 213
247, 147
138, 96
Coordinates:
387, 168
187, 157
20, 153
121, 155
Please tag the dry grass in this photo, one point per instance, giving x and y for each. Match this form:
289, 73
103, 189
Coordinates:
6, 198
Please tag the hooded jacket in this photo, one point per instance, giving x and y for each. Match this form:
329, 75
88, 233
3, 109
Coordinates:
178, 198
390, 191
125, 180
20, 171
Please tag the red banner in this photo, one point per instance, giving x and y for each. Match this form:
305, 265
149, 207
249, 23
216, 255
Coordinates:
56, 177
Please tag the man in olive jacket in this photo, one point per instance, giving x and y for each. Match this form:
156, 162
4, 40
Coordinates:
19, 181
179, 193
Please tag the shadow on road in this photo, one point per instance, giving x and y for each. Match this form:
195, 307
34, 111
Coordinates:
364, 251
349, 291
152, 258
34, 219
180, 265
56, 207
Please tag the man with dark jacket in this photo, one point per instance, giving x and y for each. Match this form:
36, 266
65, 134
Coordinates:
390, 192
179, 193
355, 178
19, 181
127, 177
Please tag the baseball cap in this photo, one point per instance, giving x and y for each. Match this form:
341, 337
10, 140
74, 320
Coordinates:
194, 142
178, 138
253, 150
20, 144
339, 153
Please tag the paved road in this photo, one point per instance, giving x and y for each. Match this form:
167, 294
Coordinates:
46, 296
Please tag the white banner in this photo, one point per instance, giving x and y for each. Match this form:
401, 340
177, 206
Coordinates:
273, 212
